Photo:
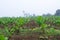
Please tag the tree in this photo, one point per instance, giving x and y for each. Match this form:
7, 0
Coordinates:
48, 14
57, 12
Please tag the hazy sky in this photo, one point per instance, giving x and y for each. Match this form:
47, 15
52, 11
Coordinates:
39, 7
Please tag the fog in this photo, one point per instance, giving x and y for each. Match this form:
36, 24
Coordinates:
38, 7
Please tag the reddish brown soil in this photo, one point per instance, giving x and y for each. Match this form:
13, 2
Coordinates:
30, 24
34, 37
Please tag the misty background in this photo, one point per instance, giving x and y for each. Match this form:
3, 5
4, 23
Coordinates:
20, 7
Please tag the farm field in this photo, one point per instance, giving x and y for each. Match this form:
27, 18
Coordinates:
30, 28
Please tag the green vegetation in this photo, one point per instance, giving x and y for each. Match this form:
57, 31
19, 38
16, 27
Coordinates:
49, 26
